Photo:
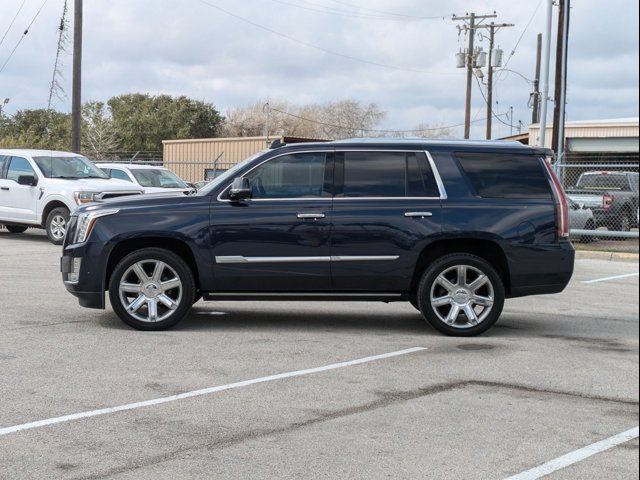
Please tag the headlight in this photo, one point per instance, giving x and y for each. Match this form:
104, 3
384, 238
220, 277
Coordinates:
86, 221
84, 197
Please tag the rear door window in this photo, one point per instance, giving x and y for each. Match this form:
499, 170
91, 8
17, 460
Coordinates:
505, 175
388, 175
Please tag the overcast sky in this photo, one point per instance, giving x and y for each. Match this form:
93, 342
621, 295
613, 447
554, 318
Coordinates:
189, 47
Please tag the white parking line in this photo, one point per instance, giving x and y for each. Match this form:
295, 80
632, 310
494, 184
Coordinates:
204, 391
576, 456
615, 277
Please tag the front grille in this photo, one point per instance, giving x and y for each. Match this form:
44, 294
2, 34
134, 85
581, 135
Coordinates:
108, 195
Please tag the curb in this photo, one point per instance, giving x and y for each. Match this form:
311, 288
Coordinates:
611, 256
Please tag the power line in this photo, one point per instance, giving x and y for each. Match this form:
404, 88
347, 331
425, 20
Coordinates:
12, 22
401, 15
347, 13
317, 47
374, 130
24, 34
493, 114
515, 47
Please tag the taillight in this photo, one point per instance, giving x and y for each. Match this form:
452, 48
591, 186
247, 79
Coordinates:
607, 202
562, 206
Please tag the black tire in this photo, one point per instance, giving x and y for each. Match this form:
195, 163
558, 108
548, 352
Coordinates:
16, 228
56, 225
445, 265
623, 224
176, 266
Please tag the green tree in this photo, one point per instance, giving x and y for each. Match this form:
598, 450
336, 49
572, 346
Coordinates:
142, 121
37, 128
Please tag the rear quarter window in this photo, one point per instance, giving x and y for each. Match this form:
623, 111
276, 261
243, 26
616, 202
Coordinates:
505, 175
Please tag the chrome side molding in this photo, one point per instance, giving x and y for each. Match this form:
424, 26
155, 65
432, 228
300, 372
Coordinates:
226, 259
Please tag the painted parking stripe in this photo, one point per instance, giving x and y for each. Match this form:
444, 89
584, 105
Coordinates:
204, 391
576, 456
615, 277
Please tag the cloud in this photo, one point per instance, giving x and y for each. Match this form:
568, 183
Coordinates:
187, 47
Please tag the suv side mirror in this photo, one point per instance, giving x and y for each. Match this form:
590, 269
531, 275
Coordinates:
240, 189
28, 180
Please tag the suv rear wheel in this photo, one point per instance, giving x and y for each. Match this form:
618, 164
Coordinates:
461, 295
152, 289
56, 225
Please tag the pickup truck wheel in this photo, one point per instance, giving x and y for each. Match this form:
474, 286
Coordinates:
461, 295
56, 225
16, 228
624, 222
152, 289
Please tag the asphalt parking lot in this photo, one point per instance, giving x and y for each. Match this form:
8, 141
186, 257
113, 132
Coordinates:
386, 396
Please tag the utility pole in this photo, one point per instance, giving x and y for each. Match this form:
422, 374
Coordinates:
470, 27
535, 115
492, 32
563, 89
557, 84
76, 96
467, 104
546, 55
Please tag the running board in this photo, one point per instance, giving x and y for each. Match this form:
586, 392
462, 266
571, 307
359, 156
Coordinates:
309, 296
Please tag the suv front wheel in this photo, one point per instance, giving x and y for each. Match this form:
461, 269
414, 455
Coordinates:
152, 289
461, 295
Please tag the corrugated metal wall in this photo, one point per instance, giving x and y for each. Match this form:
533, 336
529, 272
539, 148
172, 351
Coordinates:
190, 158
587, 130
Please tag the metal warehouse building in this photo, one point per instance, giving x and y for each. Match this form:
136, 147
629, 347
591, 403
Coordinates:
204, 158
610, 144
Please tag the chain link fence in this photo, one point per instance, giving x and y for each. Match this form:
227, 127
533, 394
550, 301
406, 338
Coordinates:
602, 190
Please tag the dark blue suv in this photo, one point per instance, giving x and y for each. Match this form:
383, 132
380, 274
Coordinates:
452, 227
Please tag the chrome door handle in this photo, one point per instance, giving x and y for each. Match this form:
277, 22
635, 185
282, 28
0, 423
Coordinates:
418, 214
311, 216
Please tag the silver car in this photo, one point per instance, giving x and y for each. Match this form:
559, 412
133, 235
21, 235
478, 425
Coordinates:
581, 218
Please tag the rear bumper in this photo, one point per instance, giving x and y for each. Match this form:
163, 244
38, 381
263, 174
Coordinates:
540, 269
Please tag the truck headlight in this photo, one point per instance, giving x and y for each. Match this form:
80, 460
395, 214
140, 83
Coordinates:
84, 197
86, 221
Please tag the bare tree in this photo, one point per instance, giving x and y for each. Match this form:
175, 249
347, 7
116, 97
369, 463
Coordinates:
99, 134
331, 120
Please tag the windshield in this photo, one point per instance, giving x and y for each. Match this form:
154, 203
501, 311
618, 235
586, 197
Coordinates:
158, 178
603, 182
228, 175
68, 167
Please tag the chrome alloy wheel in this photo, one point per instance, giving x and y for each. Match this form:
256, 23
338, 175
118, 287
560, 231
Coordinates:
150, 291
58, 227
462, 296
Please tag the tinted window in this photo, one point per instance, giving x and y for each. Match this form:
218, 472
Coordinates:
290, 176
119, 174
374, 174
500, 175
19, 166
388, 174
420, 179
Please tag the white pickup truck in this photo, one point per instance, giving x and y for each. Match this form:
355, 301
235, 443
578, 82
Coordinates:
40, 188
